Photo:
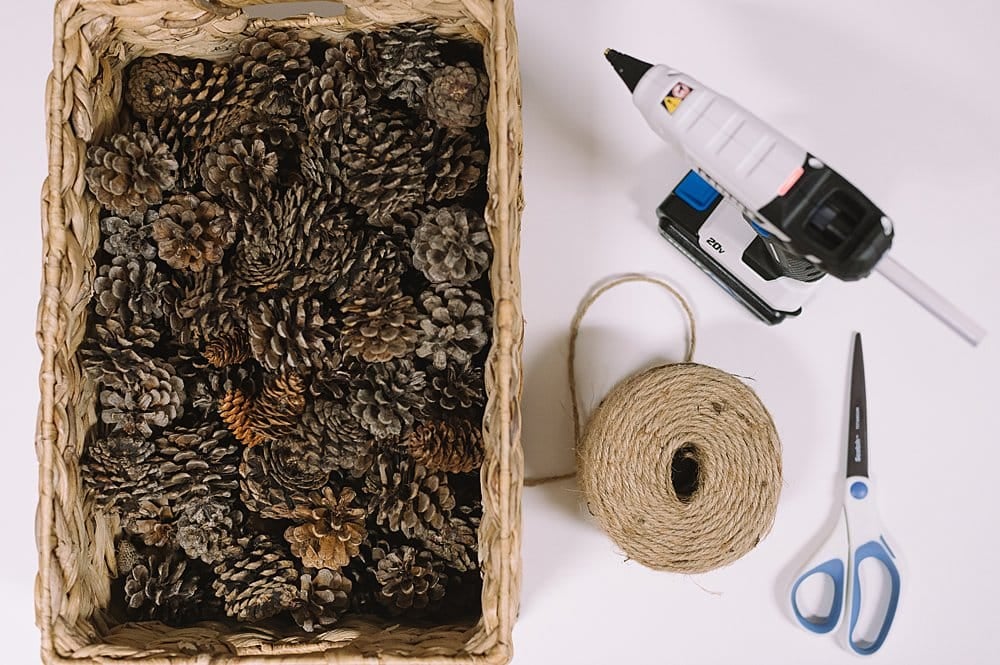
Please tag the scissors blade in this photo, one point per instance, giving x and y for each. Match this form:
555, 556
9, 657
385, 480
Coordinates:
857, 428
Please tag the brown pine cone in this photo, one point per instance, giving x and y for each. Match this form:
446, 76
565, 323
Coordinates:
360, 51
452, 245
205, 305
229, 349
207, 527
151, 520
257, 581
386, 397
260, 489
345, 443
378, 329
150, 395
408, 579
240, 170
129, 290
329, 531
406, 497
130, 171
456, 387
193, 231
454, 445
164, 588
289, 333
409, 55
325, 596
269, 415
456, 326
129, 237
151, 85
456, 96
455, 165
382, 157
457, 542
328, 93
297, 463
265, 259
268, 62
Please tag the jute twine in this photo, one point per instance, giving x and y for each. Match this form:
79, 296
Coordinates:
680, 463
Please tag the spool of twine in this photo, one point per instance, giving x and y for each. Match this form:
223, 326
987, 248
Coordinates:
681, 463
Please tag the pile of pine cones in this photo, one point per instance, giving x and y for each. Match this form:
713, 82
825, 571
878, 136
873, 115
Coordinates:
289, 323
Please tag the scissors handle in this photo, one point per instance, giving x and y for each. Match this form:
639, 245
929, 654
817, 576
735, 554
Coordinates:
868, 540
828, 561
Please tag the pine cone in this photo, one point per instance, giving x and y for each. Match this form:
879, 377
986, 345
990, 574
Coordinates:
375, 271
328, 93
456, 326
378, 329
452, 245
360, 51
383, 170
193, 231
457, 542
345, 443
298, 464
270, 61
458, 386
164, 588
205, 305
329, 531
115, 466
258, 581
207, 527
387, 397
269, 415
151, 520
408, 579
229, 349
130, 172
259, 488
325, 596
455, 165
454, 445
457, 96
129, 290
129, 237
151, 85
406, 497
293, 333
126, 557
194, 463
265, 259
410, 54
240, 170
206, 384
147, 396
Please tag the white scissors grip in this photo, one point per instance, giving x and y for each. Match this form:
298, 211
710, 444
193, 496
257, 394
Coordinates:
828, 560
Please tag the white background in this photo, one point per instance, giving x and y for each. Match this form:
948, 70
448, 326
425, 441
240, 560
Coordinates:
901, 96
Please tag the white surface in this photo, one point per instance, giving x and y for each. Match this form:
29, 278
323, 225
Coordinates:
899, 96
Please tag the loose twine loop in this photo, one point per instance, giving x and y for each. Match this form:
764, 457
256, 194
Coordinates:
680, 463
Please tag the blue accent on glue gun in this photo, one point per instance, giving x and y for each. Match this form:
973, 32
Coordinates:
873, 549
834, 568
696, 192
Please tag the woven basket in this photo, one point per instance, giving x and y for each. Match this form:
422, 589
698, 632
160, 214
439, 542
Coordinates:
94, 40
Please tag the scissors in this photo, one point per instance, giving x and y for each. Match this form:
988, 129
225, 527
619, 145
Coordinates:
858, 536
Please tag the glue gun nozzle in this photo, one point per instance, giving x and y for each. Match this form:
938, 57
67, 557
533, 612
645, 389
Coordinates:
629, 69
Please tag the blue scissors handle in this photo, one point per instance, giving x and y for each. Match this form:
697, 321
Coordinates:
836, 571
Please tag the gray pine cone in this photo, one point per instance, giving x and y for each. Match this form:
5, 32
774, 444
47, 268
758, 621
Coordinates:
150, 395
457, 386
130, 172
452, 245
456, 96
325, 596
457, 542
240, 170
129, 237
261, 491
129, 290
380, 327
456, 326
258, 581
406, 497
268, 62
455, 165
345, 443
293, 333
387, 397
207, 527
408, 579
409, 54
328, 93
164, 588
114, 466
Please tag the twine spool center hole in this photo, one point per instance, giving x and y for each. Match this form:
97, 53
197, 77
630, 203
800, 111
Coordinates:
684, 472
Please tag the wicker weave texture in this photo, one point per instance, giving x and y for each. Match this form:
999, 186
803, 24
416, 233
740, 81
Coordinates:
94, 40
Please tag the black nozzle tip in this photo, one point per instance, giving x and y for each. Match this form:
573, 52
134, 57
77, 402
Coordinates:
629, 69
